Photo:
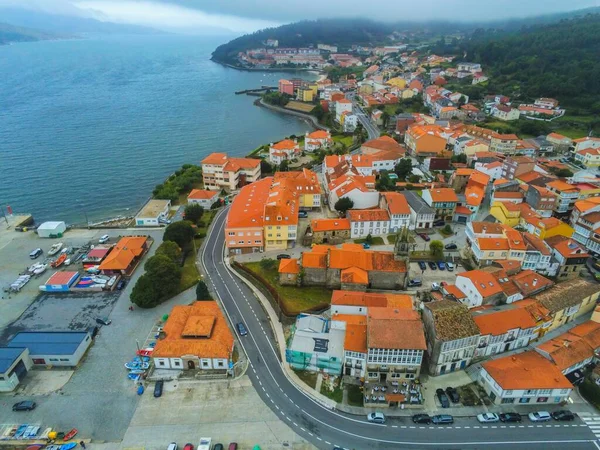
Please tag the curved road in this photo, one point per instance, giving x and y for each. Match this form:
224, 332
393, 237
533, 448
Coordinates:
326, 428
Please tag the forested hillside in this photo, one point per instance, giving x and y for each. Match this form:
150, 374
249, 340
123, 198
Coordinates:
561, 60
10, 33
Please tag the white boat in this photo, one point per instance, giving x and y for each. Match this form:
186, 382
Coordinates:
46, 433
68, 262
55, 249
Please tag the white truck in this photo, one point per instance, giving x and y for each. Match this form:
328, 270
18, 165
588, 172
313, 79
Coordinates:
204, 443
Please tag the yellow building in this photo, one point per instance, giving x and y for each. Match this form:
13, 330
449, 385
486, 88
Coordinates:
406, 93
366, 89
475, 146
507, 213
313, 86
305, 95
397, 82
548, 227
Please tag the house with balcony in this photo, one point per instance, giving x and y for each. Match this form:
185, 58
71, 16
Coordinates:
570, 255
398, 209
542, 200
480, 288
374, 222
443, 200
524, 378
585, 219
503, 330
452, 336
567, 195
285, 150
317, 140
422, 215
220, 171
538, 256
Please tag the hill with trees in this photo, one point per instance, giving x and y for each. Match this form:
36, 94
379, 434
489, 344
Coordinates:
11, 33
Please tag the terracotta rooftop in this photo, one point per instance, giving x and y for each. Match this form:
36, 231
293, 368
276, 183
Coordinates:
443, 195
354, 275
497, 323
396, 203
384, 143
525, 371
202, 194
566, 350
394, 328
247, 208
124, 253
289, 266
320, 225
484, 282
368, 215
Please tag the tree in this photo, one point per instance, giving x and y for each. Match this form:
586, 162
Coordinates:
404, 168
436, 249
181, 233
165, 276
143, 293
369, 239
268, 264
171, 250
385, 118
343, 205
461, 158
193, 212
414, 178
562, 173
448, 229
384, 183
202, 291
284, 166
265, 167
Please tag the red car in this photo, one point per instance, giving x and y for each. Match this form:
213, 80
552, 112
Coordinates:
188, 446
425, 237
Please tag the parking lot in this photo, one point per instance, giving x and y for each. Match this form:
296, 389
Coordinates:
429, 276
226, 411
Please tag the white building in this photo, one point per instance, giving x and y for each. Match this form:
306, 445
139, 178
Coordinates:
203, 197
153, 213
51, 229
285, 150
375, 222
398, 209
342, 106
350, 123
53, 348
361, 190
422, 215
316, 140
503, 330
14, 365
524, 378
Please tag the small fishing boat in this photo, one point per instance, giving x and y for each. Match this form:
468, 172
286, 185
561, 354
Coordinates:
55, 248
59, 261
136, 371
136, 365
28, 431
20, 431
134, 376
35, 447
68, 446
71, 434
45, 433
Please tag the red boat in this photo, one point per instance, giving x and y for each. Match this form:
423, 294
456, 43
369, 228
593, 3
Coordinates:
61, 259
71, 434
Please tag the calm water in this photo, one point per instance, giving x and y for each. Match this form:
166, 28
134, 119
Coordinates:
93, 125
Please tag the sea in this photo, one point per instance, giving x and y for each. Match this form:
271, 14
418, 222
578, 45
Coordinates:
89, 126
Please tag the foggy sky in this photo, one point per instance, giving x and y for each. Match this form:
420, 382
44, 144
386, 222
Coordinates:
243, 16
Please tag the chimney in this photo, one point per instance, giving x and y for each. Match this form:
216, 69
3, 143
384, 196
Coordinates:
534, 281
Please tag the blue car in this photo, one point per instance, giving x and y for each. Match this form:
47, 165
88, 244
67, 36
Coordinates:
241, 329
422, 265
365, 245
441, 265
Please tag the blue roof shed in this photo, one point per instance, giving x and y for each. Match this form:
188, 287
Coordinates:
49, 342
8, 355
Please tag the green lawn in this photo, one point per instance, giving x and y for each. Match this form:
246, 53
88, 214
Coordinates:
189, 273
355, 395
309, 378
391, 238
347, 140
375, 240
295, 299
337, 394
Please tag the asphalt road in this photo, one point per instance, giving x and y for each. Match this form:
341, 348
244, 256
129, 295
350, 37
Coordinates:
366, 122
326, 428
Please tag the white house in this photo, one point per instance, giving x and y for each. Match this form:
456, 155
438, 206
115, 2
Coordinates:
342, 106
203, 198
422, 215
53, 348
493, 169
503, 330
375, 222
480, 288
350, 123
361, 190
398, 209
504, 112
285, 150
524, 378
316, 140
153, 213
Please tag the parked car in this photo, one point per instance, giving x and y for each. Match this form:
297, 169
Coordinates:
450, 246
435, 286
424, 236
302, 214
443, 398
563, 415
510, 417
450, 267
158, 388
103, 240
188, 446
432, 265
415, 283
26, 405
441, 265
121, 284
439, 223
172, 446
36, 253
488, 418
218, 447
421, 418
204, 443
366, 245
453, 394
442, 419
422, 265
241, 329
283, 256
232, 446
376, 417
103, 321
539, 416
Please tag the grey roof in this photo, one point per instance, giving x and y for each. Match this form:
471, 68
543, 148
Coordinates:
8, 355
49, 342
464, 139
404, 116
417, 204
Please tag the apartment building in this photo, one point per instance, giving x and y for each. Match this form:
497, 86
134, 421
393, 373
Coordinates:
570, 255
425, 140
306, 186
222, 172
503, 330
504, 143
542, 200
514, 166
443, 200
585, 219
567, 194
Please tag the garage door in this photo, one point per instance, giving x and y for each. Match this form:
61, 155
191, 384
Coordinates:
461, 219
20, 370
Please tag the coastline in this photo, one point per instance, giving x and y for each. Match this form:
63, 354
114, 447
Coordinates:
311, 120
269, 69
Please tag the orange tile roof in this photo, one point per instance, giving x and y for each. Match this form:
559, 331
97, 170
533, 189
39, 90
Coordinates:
497, 323
122, 255
215, 158
395, 329
354, 275
492, 243
303, 182
590, 332
384, 143
368, 215
587, 204
195, 320
487, 228
355, 298
289, 266
286, 144
463, 171
463, 210
484, 282
500, 181
319, 134
404, 301
248, 207
527, 370
396, 203
528, 177
202, 194
353, 255
320, 225
566, 350
443, 195
453, 290
230, 163
509, 265
561, 186
480, 178
568, 248
502, 194
474, 195
356, 332
314, 260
